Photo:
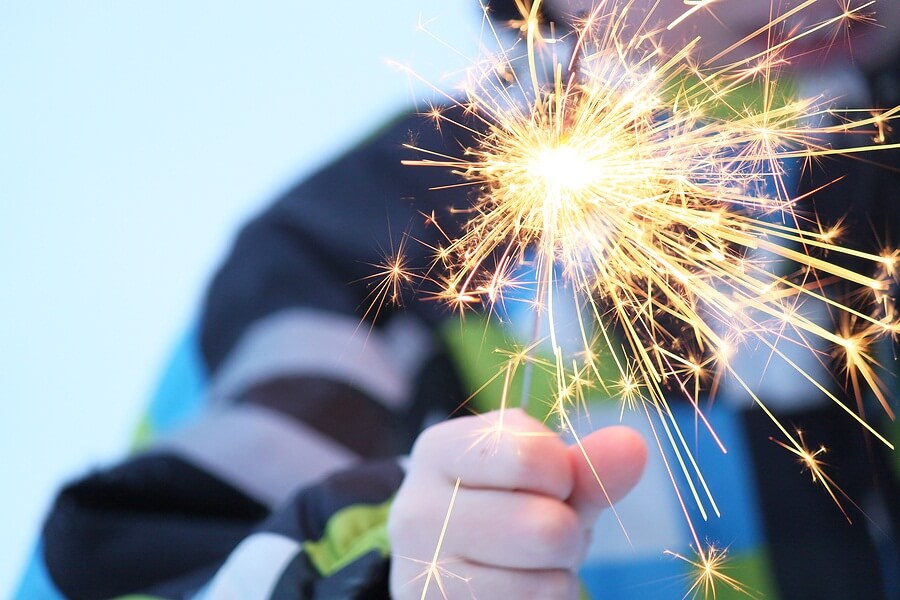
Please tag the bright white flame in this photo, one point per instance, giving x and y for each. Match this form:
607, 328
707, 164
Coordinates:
563, 169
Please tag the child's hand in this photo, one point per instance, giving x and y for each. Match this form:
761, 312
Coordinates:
522, 518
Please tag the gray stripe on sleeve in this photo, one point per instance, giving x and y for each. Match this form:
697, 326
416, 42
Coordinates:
258, 451
380, 363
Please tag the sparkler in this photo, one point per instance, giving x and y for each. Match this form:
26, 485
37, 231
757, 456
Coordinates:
641, 186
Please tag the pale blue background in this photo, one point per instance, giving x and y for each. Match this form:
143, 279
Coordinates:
134, 137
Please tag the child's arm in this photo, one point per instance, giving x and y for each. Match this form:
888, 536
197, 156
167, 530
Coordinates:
520, 525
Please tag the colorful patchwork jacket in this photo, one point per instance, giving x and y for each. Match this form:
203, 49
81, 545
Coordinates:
266, 464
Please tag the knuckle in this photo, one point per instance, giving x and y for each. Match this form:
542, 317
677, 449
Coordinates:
524, 464
542, 465
397, 524
424, 443
556, 533
405, 518
537, 457
556, 585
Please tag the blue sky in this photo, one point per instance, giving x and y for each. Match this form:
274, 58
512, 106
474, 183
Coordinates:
134, 138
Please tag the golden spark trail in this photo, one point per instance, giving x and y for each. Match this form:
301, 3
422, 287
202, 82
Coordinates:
434, 571
641, 181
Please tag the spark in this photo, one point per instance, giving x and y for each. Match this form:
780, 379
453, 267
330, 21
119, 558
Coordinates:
811, 461
639, 180
434, 571
709, 572
488, 440
695, 6
388, 283
643, 182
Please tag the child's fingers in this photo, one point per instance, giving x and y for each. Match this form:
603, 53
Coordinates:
457, 578
606, 465
520, 520
505, 529
508, 450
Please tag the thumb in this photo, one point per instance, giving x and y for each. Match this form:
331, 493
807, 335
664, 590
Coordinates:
606, 465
